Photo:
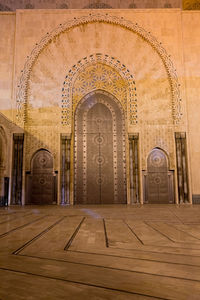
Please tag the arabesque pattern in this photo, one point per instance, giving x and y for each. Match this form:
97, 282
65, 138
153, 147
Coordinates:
96, 72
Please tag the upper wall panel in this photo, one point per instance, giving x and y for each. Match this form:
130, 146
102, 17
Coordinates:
53, 63
8, 5
88, 34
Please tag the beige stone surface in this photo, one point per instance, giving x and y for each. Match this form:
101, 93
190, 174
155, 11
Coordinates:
191, 23
7, 50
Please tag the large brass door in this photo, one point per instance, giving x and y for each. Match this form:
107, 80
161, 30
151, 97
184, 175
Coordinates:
99, 151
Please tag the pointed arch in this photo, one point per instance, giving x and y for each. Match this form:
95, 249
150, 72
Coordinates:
108, 19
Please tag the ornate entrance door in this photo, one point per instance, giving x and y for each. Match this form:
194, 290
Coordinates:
100, 174
159, 181
41, 183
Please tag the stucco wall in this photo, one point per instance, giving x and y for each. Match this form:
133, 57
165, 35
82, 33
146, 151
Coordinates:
191, 47
7, 48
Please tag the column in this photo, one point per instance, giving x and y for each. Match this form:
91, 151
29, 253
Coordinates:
17, 166
134, 168
65, 168
181, 158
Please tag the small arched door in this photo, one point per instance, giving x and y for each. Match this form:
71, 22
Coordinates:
159, 180
100, 172
41, 183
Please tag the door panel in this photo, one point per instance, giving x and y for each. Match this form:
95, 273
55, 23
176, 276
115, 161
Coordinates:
158, 180
99, 152
41, 182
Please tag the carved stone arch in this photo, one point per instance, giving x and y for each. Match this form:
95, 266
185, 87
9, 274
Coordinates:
158, 181
102, 92
102, 72
108, 19
157, 160
42, 161
41, 181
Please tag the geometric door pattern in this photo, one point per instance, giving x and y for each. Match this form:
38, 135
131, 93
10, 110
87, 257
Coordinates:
41, 183
99, 169
159, 183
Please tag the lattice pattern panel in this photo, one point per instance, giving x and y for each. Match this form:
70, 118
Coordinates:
99, 71
157, 136
41, 138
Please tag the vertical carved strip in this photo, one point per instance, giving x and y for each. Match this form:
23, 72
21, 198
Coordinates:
134, 168
180, 139
114, 155
179, 166
65, 168
184, 167
18, 142
68, 168
6, 190
85, 153
131, 169
63, 162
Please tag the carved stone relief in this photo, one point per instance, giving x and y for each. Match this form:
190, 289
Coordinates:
157, 136
191, 4
99, 71
106, 18
41, 137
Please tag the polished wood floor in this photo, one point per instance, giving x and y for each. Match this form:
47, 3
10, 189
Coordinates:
100, 252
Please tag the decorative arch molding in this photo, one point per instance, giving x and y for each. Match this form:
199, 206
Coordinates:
93, 18
157, 159
102, 72
43, 162
101, 92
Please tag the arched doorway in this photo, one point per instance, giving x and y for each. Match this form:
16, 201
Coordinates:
99, 154
41, 183
158, 180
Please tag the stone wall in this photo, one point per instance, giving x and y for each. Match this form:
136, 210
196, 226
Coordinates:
191, 47
159, 48
7, 49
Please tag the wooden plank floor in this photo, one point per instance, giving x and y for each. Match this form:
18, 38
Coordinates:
100, 252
